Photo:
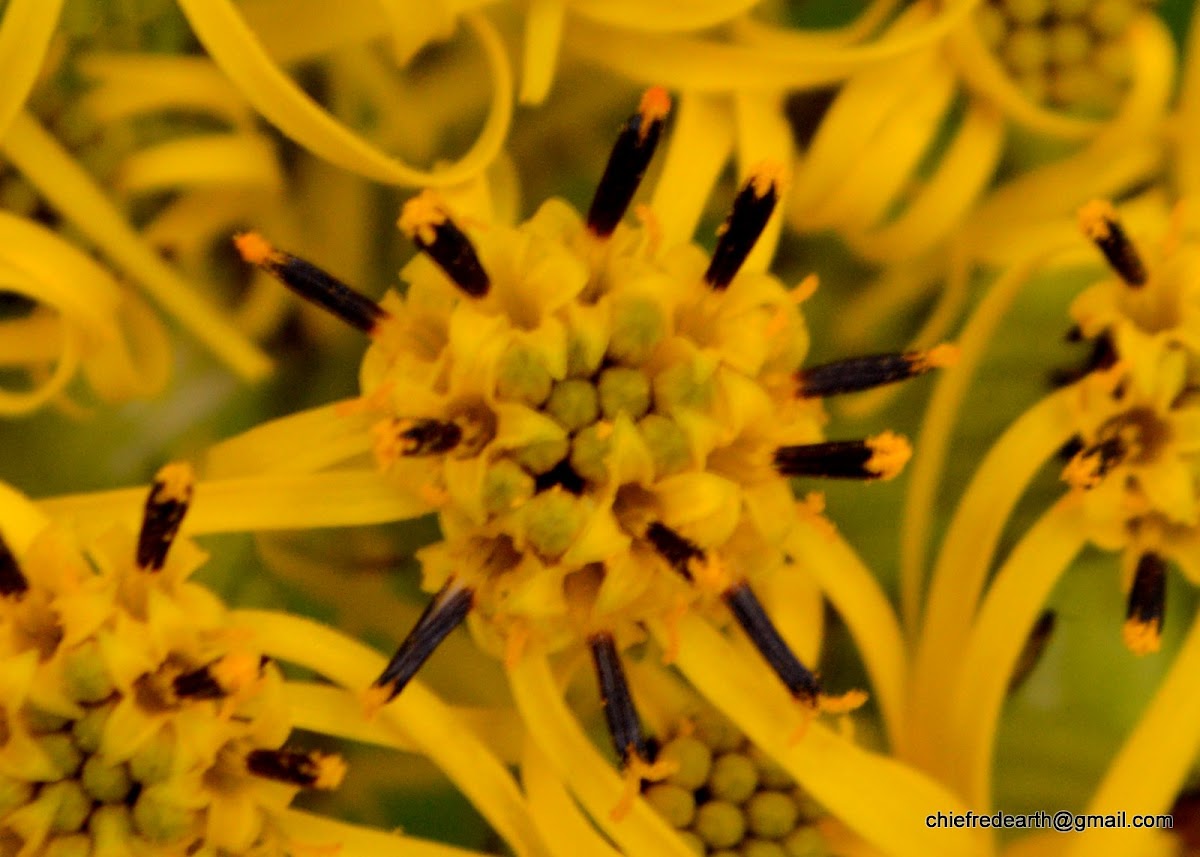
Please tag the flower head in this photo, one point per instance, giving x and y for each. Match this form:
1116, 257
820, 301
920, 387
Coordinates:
135, 718
606, 427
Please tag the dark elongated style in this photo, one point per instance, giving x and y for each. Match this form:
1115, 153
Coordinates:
426, 220
674, 548
627, 163
170, 496
749, 612
864, 373
311, 283
445, 612
12, 579
739, 233
1100, 223
619, 713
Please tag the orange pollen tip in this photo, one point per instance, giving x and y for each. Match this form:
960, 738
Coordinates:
805, 289
374, 698
331, 770
889, 453
1096, 219
174, 482
842, 703
765, 177
638, 769
236, 671
654, 106
1083, 471
1142, 637
421, 216
255, 249
939, 357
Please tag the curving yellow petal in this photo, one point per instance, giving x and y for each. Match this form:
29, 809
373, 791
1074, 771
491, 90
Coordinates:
311, 832
554, 810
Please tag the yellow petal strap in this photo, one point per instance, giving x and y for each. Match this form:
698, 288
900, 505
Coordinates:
203, 159
316, 834
336, 711
856, 596
698, 149
543, 34
237, 50
754, 31
1150, 769
763, 137
553, 808
24, 39
880, 799
20, 519
69, 188
985, 664
127, 85
337, 498
576, 761
945, 404
430, 723
298, 443
293, 31
664, 15
1187, 159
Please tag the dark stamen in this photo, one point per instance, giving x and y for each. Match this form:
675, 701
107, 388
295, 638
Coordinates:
865, 373
1147, 605
12, 580
739, 233
426, 437
220, 678
311, 283
674, 548
168, 502
619, 712
310, 770
627, 164
1092, 463
750, 614
879, 457
426, 220
445, 612
1032, 651
1099, 222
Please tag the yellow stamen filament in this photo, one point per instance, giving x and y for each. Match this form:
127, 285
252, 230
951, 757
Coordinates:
805, 289
636, 770
672, 619
889, 453
842, 703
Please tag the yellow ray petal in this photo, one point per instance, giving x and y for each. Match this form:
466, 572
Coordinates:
72, 191
986, 662
313, 833
1151, 767
543, 33
855, 594
339, 498
25, 36
430, 723
127, 85
555, 811
240, 54
577, 762
882, 800
201, 160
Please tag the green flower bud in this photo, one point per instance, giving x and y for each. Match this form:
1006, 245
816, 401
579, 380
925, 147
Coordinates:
573, 403
62, 752
505, 487
585, 352
771, 774
638, 325
733, 777
667, 443
717, 731
551, 520
1026, 48
623, 391
1026, 11
991, 24
589, 452
693, 758
14, 793
1069, 44
694, 842
772, 815
76, 845
85, 673
805, 842
1111, 17
682, 386
720, 824
542, 456
153, 760
73, 805
89, 728
104, 782
43, 721
521, 376
761, 848
160, 819
677, 806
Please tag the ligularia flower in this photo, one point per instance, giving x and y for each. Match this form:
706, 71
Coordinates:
137, 719
606, 427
